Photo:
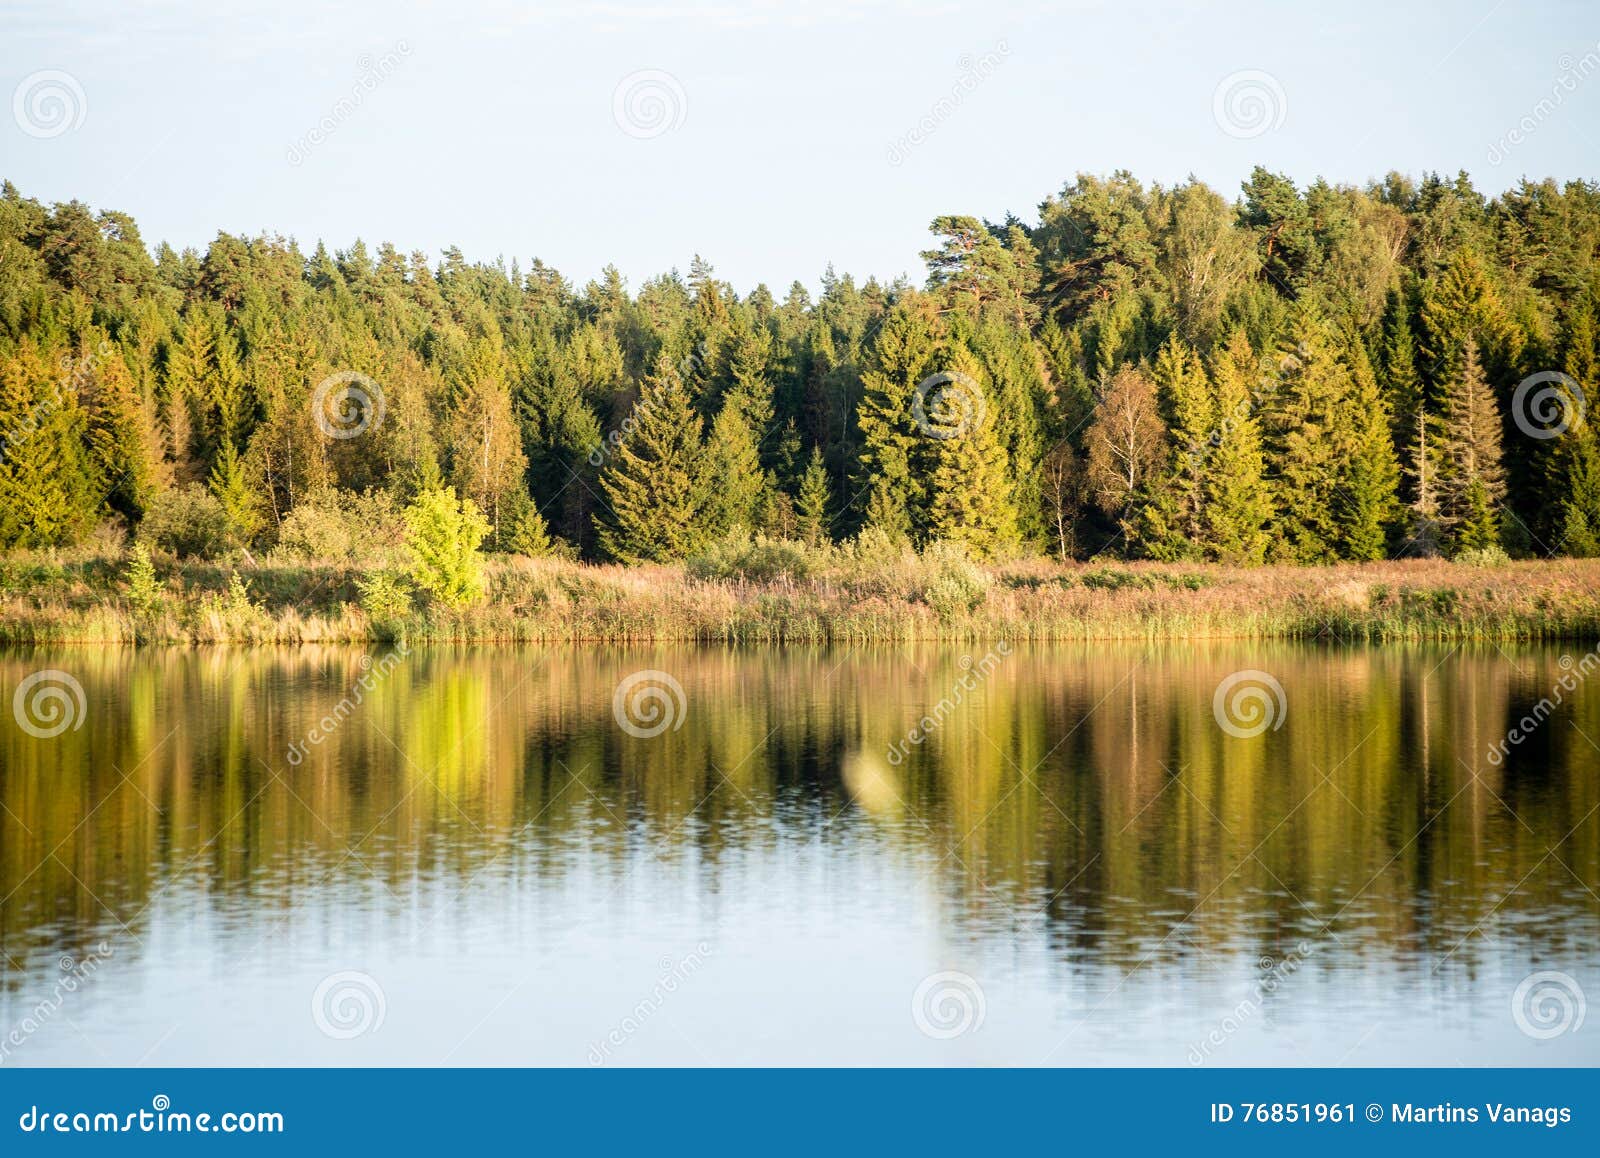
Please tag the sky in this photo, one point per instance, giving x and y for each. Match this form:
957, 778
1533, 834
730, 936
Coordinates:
770, 137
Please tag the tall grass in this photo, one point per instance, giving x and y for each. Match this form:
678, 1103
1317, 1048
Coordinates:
778, 595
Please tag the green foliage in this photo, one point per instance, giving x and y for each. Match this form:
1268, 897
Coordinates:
144, 589
952, 586
188, 522
1114, 341
385, 596
442, 539
656, 481
739, 556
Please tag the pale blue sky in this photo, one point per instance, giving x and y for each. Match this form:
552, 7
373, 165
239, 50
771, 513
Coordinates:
495, 128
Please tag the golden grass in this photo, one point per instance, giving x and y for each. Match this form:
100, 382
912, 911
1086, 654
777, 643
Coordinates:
84, 599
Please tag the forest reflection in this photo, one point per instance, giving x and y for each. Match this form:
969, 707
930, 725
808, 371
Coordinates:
1087, 795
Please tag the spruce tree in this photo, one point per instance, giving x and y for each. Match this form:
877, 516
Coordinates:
1310, 438
813, 500
1472, 481
1173, 525
1368, 497
655, 481
1238, 505
970, 492
894, 451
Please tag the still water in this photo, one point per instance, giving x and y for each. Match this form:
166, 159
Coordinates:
926, 856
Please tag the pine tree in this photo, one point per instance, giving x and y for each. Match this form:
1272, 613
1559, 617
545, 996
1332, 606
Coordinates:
656, 479
1472, 481
740, 486
1401, 385
187, 384
487, 463
1238, 506
812, 503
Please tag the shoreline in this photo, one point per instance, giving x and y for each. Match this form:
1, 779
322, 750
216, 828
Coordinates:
901, 600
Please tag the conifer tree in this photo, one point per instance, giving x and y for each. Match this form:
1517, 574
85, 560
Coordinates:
230, 487
655, 481
48, 495
1472, 481
1238, 506
1174, 523
970, 489
1368, 497
1310, 439
894, 451
1422, 468
812, 503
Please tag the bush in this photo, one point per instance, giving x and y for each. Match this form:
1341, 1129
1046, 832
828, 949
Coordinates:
144, 589
442, 539
1482, 557
187, 521
385, 596
345, 529
1108, 579
953, 585
737, 556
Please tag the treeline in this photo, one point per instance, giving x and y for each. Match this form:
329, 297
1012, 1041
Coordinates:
1298, 375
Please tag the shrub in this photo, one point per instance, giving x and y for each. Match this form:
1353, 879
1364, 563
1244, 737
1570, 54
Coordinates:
144, 589
737, 556
330, 526
385, 596
953, 585
442, 539
187, 521
1482, 557
1109, 579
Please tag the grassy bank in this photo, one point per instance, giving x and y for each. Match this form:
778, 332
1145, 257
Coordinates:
87, 599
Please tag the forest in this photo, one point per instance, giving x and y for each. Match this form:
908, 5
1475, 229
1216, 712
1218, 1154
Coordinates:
1291, 376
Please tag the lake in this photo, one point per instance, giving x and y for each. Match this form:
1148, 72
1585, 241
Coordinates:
1179, 855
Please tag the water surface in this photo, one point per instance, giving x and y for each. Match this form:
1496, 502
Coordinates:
878, 855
